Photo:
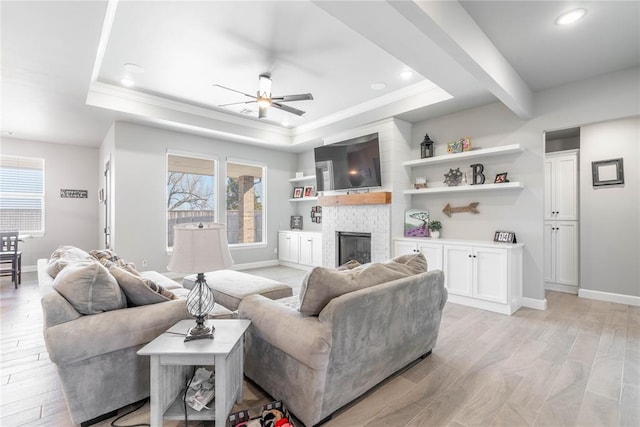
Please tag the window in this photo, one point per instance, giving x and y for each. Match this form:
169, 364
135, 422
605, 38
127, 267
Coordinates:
22, 194
245, 203
190, 191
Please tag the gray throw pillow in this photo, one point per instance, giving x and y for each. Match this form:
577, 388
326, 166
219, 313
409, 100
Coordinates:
89, 287
321, 284
64, 256
139, 290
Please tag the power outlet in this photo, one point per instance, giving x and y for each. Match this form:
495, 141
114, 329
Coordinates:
144, 263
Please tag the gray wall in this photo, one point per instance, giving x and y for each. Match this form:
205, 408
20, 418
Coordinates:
609, 227
67, 221
139, 189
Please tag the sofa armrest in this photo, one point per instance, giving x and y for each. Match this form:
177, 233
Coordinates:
106, 332
301, 337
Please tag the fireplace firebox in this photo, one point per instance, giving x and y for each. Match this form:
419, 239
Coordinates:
353, 246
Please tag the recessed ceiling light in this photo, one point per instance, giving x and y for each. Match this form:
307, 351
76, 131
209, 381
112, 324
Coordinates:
571, 16
378, 86
406, 74
127, 82
285, 123
133, 68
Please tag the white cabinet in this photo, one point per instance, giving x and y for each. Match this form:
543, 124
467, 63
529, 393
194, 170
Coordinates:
432, 251
310, 249
288, 246
561, 186
299, 247
561, 255
480, 274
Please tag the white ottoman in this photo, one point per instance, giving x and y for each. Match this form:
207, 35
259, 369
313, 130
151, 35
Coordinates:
230, 287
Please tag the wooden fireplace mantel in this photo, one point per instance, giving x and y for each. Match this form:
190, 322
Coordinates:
377, 198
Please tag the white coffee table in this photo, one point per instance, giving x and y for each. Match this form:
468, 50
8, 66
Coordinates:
172, 362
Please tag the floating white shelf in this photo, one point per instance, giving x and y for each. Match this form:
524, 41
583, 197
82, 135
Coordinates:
468, 188
303, 178
303, 199
505, 149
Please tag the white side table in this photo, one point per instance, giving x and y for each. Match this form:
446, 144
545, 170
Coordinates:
172, 362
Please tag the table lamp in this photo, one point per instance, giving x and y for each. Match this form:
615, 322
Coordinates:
200, 248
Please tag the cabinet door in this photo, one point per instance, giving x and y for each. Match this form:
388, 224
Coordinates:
566, 254
433, 254
566, 188
458, 269
310, 250
548, 189
490, 274
288, 247
403, 247
549, 251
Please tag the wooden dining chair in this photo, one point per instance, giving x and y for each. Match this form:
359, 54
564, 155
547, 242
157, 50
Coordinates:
10, 257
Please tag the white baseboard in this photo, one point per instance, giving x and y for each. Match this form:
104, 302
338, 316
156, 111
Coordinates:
609, 297
259, 264
537, 304
567, 289
294, 265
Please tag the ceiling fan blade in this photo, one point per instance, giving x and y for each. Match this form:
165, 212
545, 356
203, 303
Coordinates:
236, 91
289, 98
236, 103
287, 108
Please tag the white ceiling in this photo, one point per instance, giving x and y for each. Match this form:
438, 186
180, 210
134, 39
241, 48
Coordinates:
62, 62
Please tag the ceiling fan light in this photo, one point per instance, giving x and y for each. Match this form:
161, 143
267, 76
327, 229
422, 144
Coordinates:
263, 102
571, 16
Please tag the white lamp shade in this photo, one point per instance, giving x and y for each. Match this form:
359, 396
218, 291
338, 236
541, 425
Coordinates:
198, 250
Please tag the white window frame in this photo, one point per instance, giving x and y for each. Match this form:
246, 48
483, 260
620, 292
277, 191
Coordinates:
264, 242
29, 196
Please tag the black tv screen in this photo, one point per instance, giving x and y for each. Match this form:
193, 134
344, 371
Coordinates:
350, 164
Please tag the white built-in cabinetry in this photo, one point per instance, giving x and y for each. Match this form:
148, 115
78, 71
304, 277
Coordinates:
300, 247
561, 227
480, 274
432, 251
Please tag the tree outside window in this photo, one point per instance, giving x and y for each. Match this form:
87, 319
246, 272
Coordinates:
190, 191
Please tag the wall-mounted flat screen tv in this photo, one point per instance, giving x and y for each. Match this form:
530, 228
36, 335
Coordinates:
350, 164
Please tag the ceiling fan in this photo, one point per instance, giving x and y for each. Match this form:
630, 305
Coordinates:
265, 100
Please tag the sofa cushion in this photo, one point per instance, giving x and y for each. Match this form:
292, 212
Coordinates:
89, 287
64, 256
139, 290
321, 284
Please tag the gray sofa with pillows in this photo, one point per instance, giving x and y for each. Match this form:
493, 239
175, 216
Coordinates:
98, 312
346, 332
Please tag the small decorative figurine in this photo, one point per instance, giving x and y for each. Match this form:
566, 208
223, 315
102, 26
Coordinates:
453, 177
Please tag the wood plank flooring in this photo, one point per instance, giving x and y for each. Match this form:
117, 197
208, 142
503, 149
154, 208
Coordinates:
576, 364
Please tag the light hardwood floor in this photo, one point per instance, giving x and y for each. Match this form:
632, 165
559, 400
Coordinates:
576, 364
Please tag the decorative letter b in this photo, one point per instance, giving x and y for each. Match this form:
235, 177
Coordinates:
478, 176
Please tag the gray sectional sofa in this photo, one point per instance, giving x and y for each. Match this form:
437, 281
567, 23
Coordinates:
344, 334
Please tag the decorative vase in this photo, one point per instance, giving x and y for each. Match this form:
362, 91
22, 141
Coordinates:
435, 234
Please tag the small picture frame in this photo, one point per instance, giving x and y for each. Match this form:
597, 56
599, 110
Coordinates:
296, 222
309, 191
298, 192
501, 177
607, 172
505, 237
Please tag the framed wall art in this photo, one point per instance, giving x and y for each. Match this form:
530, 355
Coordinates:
607, 172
